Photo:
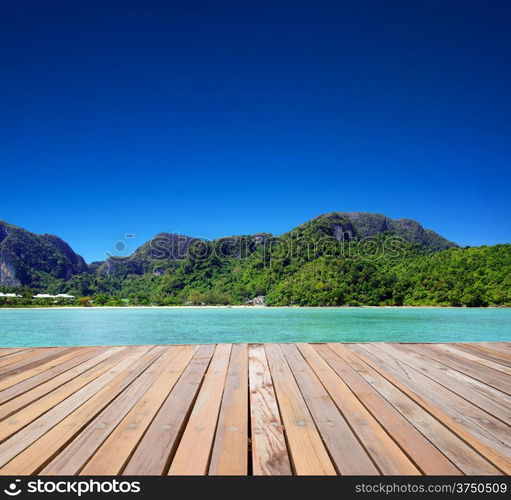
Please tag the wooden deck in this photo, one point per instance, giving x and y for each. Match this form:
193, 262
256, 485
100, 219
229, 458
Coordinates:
308, 409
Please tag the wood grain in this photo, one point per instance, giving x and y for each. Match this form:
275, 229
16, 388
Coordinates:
257, 409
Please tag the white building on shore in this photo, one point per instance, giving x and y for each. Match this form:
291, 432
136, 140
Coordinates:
58, 296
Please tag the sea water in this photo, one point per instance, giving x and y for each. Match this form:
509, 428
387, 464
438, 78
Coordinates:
191, 325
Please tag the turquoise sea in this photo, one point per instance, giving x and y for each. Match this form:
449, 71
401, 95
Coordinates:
190, 325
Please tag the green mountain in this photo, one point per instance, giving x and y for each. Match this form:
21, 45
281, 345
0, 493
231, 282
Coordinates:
366, 225
148, 258
36, 260
351, 258
164, 249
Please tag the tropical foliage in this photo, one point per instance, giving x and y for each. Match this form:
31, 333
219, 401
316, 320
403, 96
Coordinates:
333, 260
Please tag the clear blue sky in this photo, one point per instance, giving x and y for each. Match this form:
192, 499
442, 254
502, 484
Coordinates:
215, 118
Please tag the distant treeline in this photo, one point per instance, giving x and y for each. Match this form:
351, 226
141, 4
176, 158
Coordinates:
381, 270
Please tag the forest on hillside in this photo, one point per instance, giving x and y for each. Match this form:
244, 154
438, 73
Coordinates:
313, 265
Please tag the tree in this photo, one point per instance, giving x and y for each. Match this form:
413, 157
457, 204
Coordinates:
84, 301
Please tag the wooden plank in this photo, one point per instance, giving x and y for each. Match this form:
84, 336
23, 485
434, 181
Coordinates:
428, 457
112, 456
483, 425
496, 396
425, 456
33, 409
9, 351
487, 375
31, 446
35, 456
503, 344
147, 410
486, 398
230, 449
269, 450
22, 374
22, 358
385, 453
72, 459
502, 349
481, 350
157, 447
16, 357
346, 452
455, 349
18, 371
307, 452
405, 383
194, 450
82, 355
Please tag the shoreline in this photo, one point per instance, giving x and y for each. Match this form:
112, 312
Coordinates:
247, 307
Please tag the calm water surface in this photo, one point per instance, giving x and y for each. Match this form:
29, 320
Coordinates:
102, 326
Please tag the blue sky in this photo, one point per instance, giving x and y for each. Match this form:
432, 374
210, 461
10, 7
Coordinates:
216, 118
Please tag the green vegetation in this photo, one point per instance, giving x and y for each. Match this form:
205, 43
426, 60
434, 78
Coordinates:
333, 260
35, 260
